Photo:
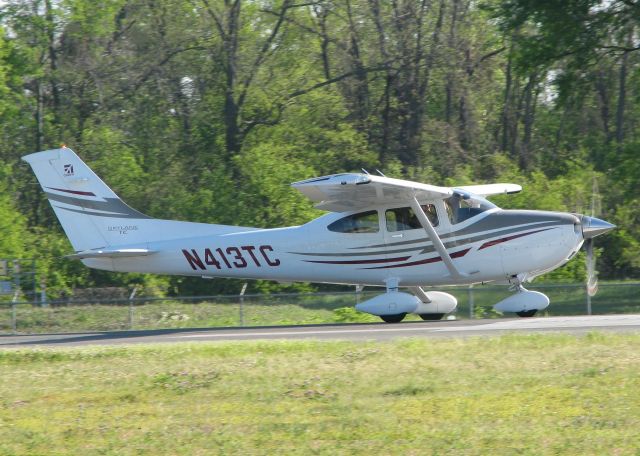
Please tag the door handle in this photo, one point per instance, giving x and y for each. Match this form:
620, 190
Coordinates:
397, 235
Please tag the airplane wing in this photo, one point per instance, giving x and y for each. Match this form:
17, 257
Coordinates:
349, 192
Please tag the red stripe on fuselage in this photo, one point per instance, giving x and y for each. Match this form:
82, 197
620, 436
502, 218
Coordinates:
459, 254
375, 260
508, 238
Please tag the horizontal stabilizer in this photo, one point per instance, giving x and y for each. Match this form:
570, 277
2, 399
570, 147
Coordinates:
110, 253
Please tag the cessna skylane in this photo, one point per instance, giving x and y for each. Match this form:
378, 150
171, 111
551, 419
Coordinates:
378, 231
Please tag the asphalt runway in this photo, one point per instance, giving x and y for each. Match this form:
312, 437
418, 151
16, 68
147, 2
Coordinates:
353, 332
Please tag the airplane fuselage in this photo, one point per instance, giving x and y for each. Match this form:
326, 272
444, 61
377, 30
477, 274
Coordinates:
492, 246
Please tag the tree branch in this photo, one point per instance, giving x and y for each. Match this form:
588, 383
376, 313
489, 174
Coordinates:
215, 18
262, 54
333, 80
485, 57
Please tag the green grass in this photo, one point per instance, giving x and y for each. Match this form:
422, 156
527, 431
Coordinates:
286, 310
175, 314
531, 395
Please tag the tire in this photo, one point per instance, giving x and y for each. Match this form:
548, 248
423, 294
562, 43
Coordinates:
431, 317
395, 318
527, 313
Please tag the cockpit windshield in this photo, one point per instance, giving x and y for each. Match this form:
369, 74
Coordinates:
459, 209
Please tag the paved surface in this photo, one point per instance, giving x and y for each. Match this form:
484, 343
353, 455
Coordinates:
376, 331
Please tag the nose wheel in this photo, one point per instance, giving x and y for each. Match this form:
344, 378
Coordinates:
527, 313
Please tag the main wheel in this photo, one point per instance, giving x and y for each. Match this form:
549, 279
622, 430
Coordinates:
431, 317
395, 318
527, 313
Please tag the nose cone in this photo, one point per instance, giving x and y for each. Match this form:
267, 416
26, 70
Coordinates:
592, 227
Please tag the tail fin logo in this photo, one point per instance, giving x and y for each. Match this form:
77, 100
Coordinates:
68, 170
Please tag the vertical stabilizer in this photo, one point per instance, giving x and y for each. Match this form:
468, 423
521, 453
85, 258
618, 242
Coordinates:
88, 210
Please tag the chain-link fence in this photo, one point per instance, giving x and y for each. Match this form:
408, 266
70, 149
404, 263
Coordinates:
130, 312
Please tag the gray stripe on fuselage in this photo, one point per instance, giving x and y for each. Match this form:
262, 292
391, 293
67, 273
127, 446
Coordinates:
496, 220
487, 236
464, 239
109, 205
102, 214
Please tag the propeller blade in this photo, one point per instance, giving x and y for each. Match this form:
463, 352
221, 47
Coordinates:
592, 274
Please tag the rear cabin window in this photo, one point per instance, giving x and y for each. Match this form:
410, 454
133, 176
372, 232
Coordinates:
403, 218
363, 222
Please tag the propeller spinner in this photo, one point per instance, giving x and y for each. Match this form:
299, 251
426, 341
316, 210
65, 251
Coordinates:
592, 227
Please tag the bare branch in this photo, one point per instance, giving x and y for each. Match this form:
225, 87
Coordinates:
262, 54
485, 57
216, 18
335, 79
623, 49
308, 29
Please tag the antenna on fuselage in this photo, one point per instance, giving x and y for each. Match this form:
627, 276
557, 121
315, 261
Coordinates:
380, 172
365, 171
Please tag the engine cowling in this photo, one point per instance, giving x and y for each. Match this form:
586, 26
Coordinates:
390, 303
523, 301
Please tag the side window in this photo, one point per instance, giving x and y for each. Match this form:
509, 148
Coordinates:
364, 222
403, 218
460, 210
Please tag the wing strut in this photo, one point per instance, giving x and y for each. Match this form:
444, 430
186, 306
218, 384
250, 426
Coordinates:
437, 243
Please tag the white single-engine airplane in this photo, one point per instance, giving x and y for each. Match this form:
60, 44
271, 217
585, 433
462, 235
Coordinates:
378, 232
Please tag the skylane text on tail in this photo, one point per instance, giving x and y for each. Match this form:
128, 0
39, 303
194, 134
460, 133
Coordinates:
378, 231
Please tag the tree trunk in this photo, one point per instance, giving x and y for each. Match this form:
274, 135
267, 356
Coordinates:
622, 95
449, 86
231, 109
603, 98
360, 95
388, 86
53, 59
506, 109
530, 95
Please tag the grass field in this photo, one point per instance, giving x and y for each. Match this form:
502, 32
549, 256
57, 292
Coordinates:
532, 395
286, 310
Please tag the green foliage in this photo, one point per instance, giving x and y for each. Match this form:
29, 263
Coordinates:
569, 192
351, 315
267, 199
199, 111
13, 225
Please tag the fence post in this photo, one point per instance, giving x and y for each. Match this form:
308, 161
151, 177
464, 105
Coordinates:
43, 292
471, 302
244, 288
131, 296
14, 325
359, 289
